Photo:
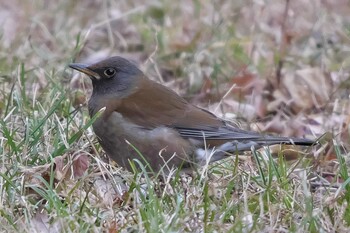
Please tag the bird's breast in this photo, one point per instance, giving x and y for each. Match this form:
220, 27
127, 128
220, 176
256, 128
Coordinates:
123, 140
118, 126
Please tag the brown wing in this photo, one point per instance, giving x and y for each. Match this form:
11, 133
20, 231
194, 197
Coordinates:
155, 105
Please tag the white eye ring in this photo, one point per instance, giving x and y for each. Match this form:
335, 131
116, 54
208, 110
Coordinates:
109, 72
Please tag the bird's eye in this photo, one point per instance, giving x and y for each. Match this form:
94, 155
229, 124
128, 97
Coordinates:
110, 72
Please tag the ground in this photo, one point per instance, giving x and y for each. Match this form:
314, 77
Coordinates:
277, 67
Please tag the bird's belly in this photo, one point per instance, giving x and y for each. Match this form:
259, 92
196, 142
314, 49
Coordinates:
125, 141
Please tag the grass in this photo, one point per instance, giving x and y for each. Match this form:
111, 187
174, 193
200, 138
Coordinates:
54, 176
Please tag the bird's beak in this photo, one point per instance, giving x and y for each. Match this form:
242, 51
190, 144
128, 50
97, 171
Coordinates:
84, 69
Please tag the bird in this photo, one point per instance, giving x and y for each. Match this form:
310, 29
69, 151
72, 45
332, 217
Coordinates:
146, 121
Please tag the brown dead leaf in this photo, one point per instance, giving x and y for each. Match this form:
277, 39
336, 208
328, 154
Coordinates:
112, 226
318, 83
229, 109
80, 164
41, 223
45, 170
249, 85
303, 90
207, 86
186, 42
110, 190
289, 152
60, 170
32, 177
260, 105
79, 99
284, 127
246, 83
60, 167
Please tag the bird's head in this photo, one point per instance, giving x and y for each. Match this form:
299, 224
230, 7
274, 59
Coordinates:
114, 77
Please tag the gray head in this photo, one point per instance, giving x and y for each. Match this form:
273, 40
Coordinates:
112, 77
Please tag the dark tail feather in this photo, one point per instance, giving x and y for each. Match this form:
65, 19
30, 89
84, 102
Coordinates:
285, 140
237, 146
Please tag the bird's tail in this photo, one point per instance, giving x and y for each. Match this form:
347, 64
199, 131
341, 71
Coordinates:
233, 147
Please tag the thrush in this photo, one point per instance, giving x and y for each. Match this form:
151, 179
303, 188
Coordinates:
147, 121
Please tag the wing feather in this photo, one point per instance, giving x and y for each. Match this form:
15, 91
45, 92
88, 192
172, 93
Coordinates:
150, 111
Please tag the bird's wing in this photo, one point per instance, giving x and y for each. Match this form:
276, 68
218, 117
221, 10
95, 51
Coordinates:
150, 111
230, 133
154, 105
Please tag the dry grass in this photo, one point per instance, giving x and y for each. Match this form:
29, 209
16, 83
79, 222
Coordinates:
277, 66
